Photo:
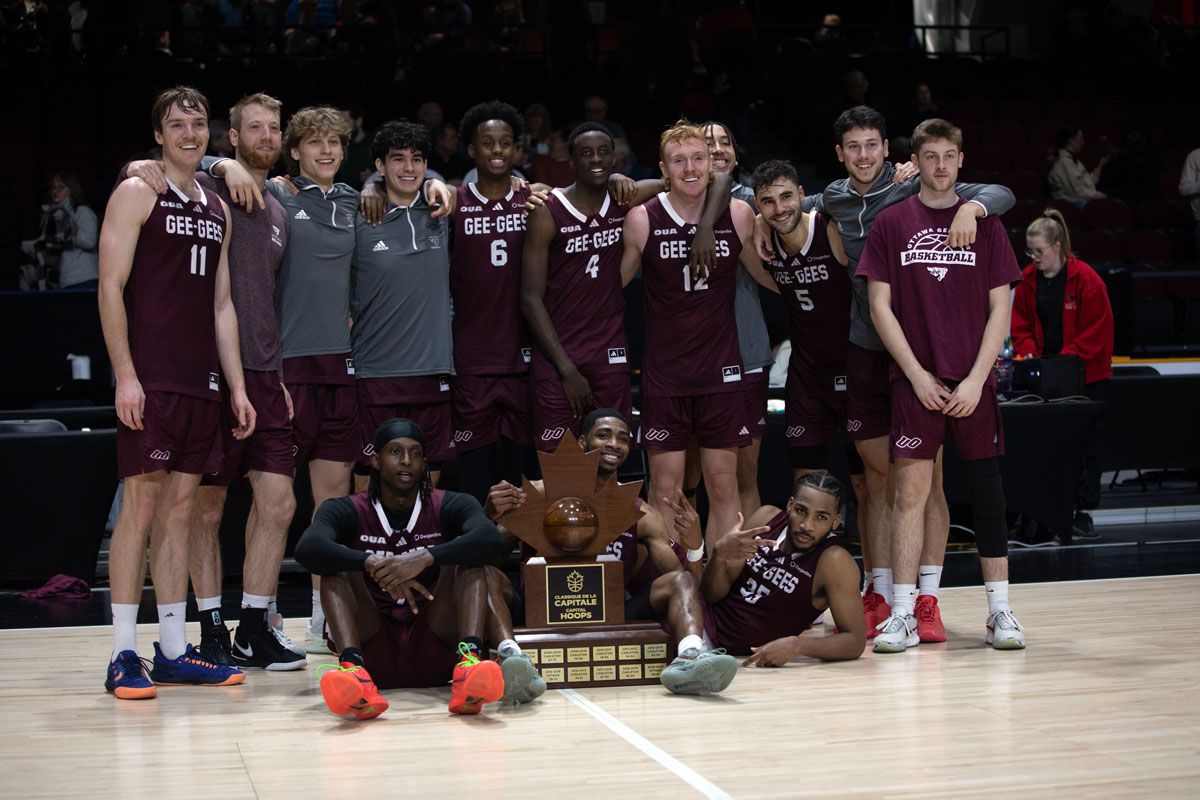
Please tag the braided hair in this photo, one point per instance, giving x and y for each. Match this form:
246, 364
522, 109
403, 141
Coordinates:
823, 481
396, 428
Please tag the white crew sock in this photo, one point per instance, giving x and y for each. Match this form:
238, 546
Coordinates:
208, 603
272, 608
172, 641
255, 601
509, 647
929, 578
905, 595
124, 627
691, 641
997, 595
882, 578
318, 614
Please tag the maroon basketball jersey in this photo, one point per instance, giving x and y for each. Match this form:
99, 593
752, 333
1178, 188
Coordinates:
773, 595
583, 288
691, 330
375, 535
625, 547
485, 282
169, 295
816, 290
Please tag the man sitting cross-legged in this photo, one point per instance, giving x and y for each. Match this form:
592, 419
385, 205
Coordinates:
379, 553
674, 595
765, 584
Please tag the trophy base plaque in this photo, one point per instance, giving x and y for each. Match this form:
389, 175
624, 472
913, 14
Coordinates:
598, 655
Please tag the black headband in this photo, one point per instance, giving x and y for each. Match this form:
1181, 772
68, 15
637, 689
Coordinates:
397, 428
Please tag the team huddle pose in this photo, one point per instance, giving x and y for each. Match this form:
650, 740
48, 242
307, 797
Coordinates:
259, 325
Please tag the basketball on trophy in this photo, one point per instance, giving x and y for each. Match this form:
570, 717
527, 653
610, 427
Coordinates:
570, 524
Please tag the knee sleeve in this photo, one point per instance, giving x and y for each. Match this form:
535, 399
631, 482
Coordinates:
987, 506
813, 456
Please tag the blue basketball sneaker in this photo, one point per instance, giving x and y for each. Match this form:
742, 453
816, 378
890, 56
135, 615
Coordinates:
192, 669
127, 678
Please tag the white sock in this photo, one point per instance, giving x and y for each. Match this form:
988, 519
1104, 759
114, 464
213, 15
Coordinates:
172, 641
272, 608
905, 595
929, 578
882, 578
510, 647
997, 595
124, 627
690, 641
208, 603
318, 614
255, 601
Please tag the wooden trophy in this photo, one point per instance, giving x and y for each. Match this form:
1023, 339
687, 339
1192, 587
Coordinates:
575, 591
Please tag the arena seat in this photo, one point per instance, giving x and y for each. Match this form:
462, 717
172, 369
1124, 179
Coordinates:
1019, 108
1158, 212
1026, 185
976, 109
1044, 132
1096, 246
1151, 246
1071, 214
1111, 109
1002, 133
1032, 158
986, 158
1154, 323
1105, 213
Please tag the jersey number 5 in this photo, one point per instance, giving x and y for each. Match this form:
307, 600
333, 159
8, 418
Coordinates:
806, 302
593, 266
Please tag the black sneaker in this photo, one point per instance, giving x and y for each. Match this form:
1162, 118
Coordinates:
1083, 528
263, 648
214, 645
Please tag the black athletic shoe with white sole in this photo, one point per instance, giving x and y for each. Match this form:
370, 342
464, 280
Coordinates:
263, 647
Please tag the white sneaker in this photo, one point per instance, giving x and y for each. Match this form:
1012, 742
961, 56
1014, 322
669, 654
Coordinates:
896, 634
1004, 632
314, 639
275, 623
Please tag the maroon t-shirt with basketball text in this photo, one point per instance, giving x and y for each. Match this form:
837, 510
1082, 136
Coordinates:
691, 331
584, 296
485, 283
169, 295
939, 293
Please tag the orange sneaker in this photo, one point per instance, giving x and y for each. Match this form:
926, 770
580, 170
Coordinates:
875, 611
929, 619
475, 683
348, 689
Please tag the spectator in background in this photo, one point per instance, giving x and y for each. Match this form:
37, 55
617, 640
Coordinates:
921, 106
1070, 180
553, 168
595, 109
1061, 307
1132, 174
77, 15
1189, 187
358, 165
218, 139
29, 24
64, 253
830, 36
446, 27
508, 27
430, 115
855, 87
538, 131
446, 159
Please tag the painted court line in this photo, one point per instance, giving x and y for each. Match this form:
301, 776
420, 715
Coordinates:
681, 770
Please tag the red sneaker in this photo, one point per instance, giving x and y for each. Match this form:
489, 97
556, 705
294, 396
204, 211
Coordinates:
875, 611
929, 619
475, 683
348, 689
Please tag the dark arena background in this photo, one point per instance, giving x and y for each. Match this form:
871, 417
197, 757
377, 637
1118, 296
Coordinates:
1101, 703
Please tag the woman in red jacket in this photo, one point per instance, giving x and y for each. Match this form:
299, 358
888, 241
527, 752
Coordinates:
1061, 308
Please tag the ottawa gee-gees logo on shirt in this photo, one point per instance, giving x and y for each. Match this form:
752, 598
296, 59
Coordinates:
929, 247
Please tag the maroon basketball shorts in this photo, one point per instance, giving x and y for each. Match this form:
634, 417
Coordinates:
718, 421
405, 653
552, 415
270, 448
425, 399
918, 432
755, 387
487, 407
868, 394
180, 433
325, 424
812, 419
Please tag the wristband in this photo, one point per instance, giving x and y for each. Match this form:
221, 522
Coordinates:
695, 555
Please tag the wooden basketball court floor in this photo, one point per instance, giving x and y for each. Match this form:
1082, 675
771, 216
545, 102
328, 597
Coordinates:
1103, 703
